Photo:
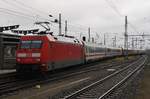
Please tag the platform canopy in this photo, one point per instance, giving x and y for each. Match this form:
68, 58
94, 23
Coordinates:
6, 28
31, 31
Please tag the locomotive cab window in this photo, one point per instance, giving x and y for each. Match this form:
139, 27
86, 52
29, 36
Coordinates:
31, 44
36, 44
25, 44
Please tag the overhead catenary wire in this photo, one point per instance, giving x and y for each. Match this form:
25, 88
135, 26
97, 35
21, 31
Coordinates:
30, 7
37, 10
21, 7
19, 13
25, 7
114, 7
16, 14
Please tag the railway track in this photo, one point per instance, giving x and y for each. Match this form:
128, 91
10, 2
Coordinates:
10, 83
101, 89
5, 78
15, 85
7, 75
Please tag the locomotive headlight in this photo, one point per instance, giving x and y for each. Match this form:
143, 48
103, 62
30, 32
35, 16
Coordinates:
36, 54
37, 59
18, 60
43, 64
21, 55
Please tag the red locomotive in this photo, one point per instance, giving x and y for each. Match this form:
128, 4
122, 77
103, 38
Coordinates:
46, 52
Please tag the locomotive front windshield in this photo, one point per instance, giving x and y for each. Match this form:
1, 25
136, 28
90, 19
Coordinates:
31, 44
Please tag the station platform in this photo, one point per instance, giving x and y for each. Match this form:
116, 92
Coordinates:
7, 71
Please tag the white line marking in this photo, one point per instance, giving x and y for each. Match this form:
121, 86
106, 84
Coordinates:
111, 69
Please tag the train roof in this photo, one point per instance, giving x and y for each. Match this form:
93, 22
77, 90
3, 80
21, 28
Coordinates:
92, 44
136, 49
68, 39
60, 38
115, 48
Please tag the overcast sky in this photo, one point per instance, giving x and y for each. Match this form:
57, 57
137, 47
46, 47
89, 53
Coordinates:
101, 15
